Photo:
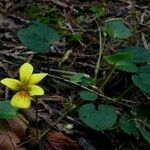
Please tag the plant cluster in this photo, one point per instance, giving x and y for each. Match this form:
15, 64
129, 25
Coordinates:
96, 110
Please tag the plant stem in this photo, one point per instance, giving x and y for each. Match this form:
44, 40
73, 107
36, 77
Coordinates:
125, 92
108, 78
67, 72
97, 67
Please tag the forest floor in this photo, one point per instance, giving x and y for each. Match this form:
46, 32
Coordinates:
78, 24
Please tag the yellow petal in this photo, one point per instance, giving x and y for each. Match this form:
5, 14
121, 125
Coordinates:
21, 100
12, 83
35, 90
25, 72
36, 77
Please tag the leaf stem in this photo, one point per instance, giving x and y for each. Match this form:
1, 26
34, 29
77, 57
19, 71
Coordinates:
108, 78
125, 92
97, 67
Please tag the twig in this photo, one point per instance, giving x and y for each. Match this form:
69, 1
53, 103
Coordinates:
83, 87
142, 34
55, 123
27, 141
59, 113
62, 4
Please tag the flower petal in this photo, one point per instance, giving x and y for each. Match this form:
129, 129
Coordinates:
25, 72
12, 83
36, 77
35, 90
21, 100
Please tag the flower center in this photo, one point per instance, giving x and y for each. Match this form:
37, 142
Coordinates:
24, 87
23, 94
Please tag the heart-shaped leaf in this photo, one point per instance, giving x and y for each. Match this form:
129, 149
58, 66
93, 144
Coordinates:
7, 111
76, 78
127, 124
126, 66
144, 69
145, 78
117, 29
101, 119
38, 37
140, 55
89, 96
142, 82
113, 59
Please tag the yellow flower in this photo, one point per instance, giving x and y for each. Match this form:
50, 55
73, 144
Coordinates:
25, 87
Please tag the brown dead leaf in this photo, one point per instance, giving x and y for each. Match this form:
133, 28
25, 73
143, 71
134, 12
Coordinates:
17, 126
8, 141
11, 131
59, 141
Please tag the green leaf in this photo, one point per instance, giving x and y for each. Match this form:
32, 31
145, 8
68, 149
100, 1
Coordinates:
88, 81
140, 55
89, 96
141, 83
126, 66
7, 111
113, 59
144, 69
127, 124
38, 37
98, 10
144, 133
76, 78
74, 37
142, 113
145, 78
117, 29
99, 119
